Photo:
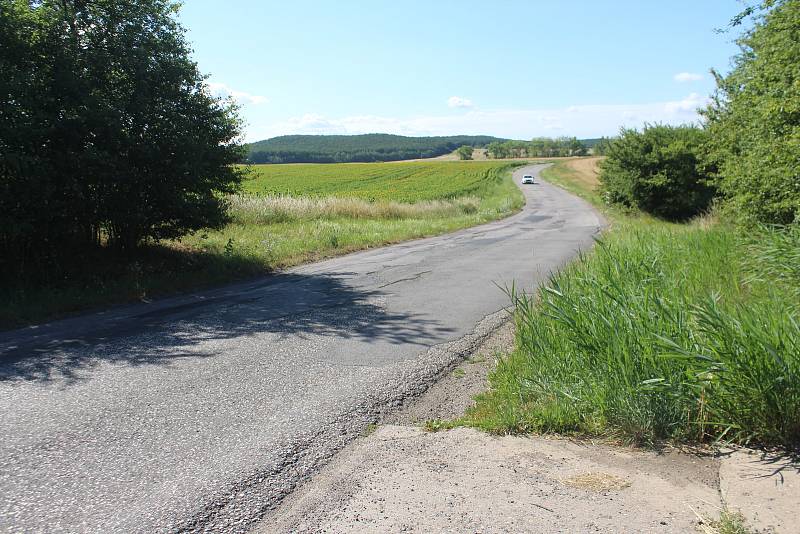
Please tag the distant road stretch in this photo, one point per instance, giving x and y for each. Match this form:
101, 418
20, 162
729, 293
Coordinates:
198, 413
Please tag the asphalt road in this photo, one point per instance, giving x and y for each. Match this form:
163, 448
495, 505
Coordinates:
198, 413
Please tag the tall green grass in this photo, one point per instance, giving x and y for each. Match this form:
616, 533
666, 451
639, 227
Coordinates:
662, 332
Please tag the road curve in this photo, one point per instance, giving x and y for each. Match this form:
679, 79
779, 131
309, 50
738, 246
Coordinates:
198, 413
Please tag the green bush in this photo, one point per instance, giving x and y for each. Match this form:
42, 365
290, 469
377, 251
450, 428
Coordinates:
657, 171
464, 152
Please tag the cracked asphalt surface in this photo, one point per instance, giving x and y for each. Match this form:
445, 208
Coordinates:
199, 413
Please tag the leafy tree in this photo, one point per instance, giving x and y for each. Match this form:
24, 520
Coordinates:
754, 119
464, 152
497, 150
658, 170
108, 133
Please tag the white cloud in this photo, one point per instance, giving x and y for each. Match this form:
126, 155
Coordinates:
224, 91
583, 121
459, 102
688, 77
687, 105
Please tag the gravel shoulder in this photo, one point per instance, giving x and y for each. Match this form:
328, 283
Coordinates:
450, 396
403, 479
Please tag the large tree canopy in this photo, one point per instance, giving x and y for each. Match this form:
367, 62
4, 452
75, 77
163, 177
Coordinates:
754, 120
107, 131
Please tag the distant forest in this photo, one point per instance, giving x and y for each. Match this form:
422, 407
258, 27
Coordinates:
357, 148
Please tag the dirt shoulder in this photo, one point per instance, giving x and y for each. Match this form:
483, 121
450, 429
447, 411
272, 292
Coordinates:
403, 479
453, 394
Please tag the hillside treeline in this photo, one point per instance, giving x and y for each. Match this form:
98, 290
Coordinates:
356, 148
539, 147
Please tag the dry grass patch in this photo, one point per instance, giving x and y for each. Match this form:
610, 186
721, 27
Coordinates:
269, 209
586, 170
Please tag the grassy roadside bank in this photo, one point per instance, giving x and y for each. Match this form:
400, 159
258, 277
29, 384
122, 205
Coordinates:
285, 215
678, 332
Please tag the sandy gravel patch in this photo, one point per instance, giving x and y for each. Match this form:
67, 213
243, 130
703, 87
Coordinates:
403, 479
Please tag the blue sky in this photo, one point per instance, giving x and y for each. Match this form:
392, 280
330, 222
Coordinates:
514, 69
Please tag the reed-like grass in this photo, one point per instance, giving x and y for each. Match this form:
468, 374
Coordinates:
272, 209
663, 332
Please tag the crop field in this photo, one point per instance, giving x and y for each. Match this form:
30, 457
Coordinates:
400, 182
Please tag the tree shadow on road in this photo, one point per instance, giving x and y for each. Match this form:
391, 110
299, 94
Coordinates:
286, 306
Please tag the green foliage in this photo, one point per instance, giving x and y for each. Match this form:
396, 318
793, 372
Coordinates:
657, 171
730, 523
662, 333
464, 152
402, 182
754, 121
107, 133
539, 147
356, 148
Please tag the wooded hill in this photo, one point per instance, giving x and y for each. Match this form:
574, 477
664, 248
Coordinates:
357, 148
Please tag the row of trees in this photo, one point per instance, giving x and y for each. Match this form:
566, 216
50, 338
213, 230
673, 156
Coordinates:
108, 135
747, 155
538, 147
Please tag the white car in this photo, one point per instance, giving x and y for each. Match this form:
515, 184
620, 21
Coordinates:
527, 179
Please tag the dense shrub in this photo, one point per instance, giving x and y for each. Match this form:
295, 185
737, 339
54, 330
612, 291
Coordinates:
657, 170
754, 121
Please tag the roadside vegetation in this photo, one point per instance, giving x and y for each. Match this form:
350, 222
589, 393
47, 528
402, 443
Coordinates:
283, 215
683, 323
